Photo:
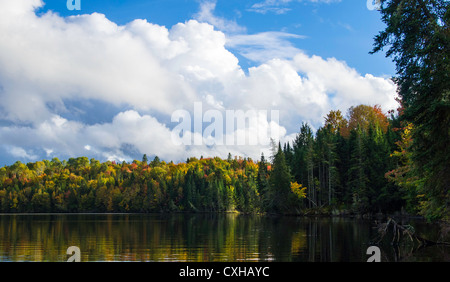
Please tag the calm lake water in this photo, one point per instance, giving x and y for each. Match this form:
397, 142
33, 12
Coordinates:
200, 238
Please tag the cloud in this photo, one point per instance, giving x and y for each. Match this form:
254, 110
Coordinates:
264, 46
142, 132
257, 47
48, 59
55, 73
279, 7
69, 138
206, 14
130, 134
274, 6
21, 153
306, 88
344, 85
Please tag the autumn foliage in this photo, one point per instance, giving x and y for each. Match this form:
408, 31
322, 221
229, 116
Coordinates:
358, 164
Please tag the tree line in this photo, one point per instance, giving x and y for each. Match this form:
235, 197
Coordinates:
365, 162
348, 165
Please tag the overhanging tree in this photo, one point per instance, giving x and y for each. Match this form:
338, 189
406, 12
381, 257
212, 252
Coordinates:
418, 37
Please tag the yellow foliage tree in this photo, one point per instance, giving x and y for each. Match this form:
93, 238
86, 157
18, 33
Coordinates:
298, 190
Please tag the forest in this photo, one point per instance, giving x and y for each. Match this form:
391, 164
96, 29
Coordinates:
360, 162
352, 165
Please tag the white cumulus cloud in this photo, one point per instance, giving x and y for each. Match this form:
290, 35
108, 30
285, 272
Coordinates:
147, 72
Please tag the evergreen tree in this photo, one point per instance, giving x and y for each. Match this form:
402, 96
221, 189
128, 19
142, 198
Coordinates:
329, 177
357, 179
280, 182
144, 159
419, 42
301, 147
263, 185
156, 162
230, 158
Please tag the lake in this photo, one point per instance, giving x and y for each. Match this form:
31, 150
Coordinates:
200, 238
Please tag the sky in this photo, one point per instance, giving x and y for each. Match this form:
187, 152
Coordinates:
118, 79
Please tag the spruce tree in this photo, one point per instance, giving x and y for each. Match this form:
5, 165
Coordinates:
417, 34
262, 183
280, 182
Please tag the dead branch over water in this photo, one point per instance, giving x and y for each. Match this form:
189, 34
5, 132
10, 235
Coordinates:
399, 231
407, 234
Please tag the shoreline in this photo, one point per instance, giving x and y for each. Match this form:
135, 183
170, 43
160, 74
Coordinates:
302, 214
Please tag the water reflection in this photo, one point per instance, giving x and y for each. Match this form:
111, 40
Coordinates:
182, 237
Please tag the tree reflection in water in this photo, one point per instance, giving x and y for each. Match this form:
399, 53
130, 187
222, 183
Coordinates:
190, 237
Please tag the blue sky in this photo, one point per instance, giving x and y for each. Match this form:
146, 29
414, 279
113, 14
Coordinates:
343, 29
108, 80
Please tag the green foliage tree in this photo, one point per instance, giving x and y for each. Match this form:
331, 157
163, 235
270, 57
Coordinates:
262, 182
404, 174
280, 182
301, 160
418, 39
40, 202
327, 168
144, 159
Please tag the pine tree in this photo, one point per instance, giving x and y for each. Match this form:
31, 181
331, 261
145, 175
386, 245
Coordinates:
280, 182
144, 159
357, 180
419, 42
156, 162
302, 144
229, 158
329, 160
263, 184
